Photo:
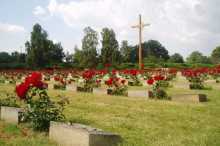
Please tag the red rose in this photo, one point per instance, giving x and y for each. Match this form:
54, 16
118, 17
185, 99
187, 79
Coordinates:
109, 82
35, 80
150, 81
158, 78
21, 90
88, 74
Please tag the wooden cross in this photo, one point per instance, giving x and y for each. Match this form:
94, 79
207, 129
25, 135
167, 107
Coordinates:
140, 26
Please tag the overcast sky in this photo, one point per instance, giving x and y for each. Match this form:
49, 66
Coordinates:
182, 26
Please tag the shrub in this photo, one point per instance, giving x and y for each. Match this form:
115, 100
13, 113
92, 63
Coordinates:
88, 82
157, 92
116, 86
10, 101
40, 110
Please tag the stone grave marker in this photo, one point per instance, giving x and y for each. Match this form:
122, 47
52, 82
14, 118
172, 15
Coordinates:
100, 91
138, 93
190, 98
80, 135
11, 114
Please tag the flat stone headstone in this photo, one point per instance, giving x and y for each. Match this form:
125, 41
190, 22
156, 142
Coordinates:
71, 88
190, 97
138, 93
100, 91
10, 114
80, 135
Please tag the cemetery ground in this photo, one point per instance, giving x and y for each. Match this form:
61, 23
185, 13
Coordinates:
140, 122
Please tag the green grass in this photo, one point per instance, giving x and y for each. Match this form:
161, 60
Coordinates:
143, 122
20, 135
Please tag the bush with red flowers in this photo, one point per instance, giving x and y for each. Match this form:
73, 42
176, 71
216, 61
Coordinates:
40, 110
33, 80
60, 82
133, 77
215, 74
88, 82
116, 86
157, 91
171, 74
196, 77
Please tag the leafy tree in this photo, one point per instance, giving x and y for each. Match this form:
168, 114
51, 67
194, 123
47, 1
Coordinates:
18, 57
151, 49
5, 57
126, 51
110, 48
207, 60
197, 57
215, 56
176, 58
155, 48
40, 50
68, 57
56, 54
89, 48
36, 48
77, 56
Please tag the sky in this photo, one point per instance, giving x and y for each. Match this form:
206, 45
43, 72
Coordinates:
182, 26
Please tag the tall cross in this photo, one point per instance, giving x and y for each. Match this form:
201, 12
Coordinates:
140, 26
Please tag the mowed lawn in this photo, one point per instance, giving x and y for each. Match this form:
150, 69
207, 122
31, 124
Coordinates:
139, 121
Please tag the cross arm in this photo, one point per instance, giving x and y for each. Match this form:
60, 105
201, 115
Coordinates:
135, 26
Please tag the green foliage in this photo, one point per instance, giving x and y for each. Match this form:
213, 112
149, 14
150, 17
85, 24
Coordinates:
77, 57
59, 86
196, 82
126, 51
153, 59
89, 48
5, 57
41, 110
41, 51
158, 92
10, 101
216, 55
118, 91
110, 48
197, 57
176, 58
151, 49
13, 65
100, 66
196, 86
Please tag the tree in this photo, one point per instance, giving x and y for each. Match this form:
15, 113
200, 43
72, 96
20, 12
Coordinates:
56, 53
176, 58
18, 57
197, 57
89, 48
36, 48
110, 49
215, 56
41, 51
126, 51
153, 49
5, 57
68, 57
77, 56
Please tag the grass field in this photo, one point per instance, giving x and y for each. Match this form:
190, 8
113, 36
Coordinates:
140, 122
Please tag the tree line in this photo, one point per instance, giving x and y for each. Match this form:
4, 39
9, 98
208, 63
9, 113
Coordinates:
42, 52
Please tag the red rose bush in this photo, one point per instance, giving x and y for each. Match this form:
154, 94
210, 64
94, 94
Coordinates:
157, 91
40, 110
